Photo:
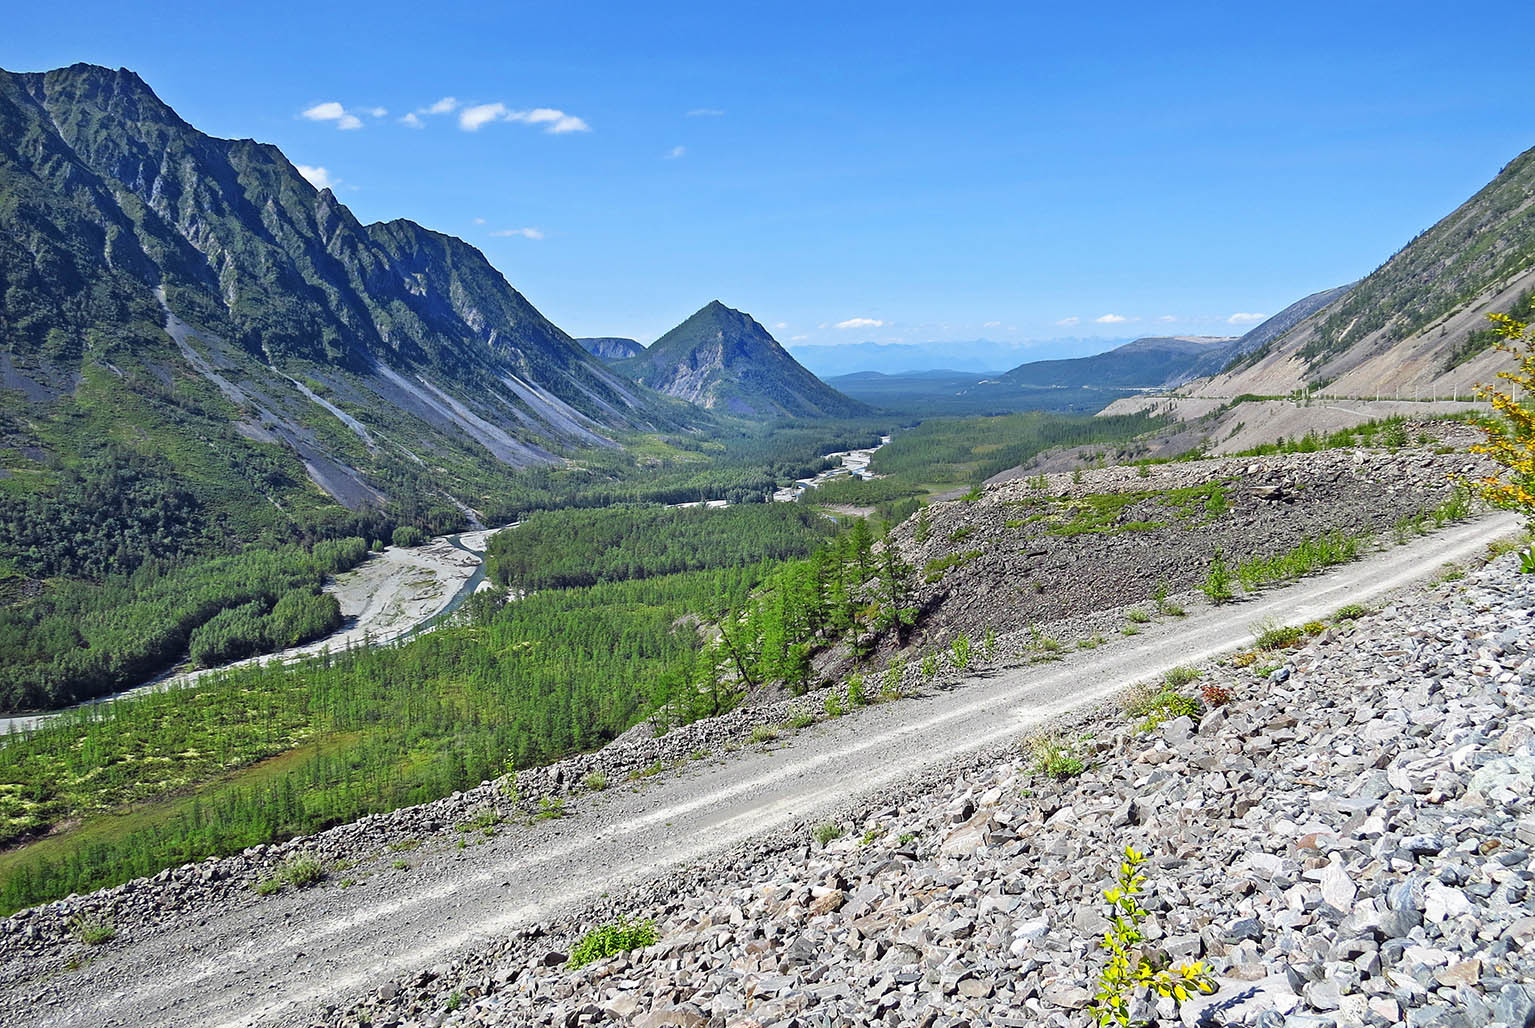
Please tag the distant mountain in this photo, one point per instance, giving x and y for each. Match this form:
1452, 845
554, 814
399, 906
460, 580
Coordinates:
722, 359
923, 394
1418, 323
1155, 362
611, 348
199, 299
982, 356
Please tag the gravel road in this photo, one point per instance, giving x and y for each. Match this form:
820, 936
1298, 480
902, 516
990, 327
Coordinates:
289, 957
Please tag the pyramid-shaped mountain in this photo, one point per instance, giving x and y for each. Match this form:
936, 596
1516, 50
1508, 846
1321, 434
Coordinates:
722, 359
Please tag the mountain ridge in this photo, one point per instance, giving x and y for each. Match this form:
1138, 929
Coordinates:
409, 332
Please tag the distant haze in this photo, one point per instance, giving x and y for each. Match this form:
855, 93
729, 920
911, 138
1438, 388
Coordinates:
982, 356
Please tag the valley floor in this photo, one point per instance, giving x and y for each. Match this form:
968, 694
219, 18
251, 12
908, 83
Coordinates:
986, 907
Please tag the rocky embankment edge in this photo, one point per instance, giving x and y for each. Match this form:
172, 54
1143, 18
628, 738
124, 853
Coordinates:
1346, 841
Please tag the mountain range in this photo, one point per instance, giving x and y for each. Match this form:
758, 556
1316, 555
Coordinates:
198, 299
722, 359
1418, 323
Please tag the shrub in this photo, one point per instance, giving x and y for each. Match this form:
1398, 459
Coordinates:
1214, 695
800, 719
611, 939
856, 697
825, 832
92, 929
551, 809
1276, 637
929, 666
267, 885
833, 704
1350, 612
1140, 617
1129, 970
1218, 581
302, 871
1154, 705
596, 781
1054, 758
890, 687
1179, 676
762, 733
959, 650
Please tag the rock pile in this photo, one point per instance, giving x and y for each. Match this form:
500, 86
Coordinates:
1012, 558
1347, 841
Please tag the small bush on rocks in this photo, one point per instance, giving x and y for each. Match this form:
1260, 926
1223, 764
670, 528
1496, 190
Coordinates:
95, 930
303, 870
1054, 758
826, 832
1350, 612
1214, 695
1276, 637
611, 939
761, 734
596, 781
1180, 676
1155, 705
1129, 971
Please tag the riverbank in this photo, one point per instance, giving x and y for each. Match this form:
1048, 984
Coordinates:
390, 595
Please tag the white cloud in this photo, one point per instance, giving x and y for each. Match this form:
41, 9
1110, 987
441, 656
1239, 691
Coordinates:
992, 324
1244, 318
447, 105
675, 152
1167, 317
1111, 319
525, 233
379, 112
1069, 321
479, 221
328, 111
780, 324
706, 112
860, 323
317, 176
471, 118
558, 122
795, 339
412, 121
331, 110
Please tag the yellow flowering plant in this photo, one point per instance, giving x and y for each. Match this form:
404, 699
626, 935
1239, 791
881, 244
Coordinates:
1510, 432
1129, 970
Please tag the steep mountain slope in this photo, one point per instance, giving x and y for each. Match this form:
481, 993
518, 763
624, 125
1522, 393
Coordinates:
181, 294
1418, 322
1150, 363
611, 348
722, 358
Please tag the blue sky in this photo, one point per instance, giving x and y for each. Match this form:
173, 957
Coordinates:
850, 172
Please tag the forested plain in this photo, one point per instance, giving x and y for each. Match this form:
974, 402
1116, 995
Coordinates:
267, 753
